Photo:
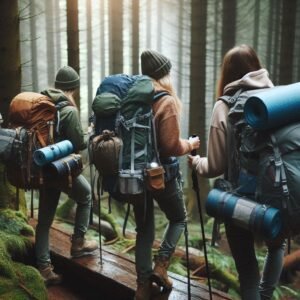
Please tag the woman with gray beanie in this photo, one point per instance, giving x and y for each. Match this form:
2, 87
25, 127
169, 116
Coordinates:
63, 96
166, 112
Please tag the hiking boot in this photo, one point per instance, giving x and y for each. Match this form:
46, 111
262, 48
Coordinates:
80, 246
160, 275
146, 290
49, 276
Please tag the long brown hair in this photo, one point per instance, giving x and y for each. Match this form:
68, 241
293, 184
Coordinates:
237, 62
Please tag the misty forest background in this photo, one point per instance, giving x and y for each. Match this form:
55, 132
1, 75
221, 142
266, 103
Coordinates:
103, 37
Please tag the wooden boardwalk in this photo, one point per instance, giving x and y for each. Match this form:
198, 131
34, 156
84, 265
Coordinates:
115, 278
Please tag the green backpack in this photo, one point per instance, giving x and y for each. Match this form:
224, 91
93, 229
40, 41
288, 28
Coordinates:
123, 148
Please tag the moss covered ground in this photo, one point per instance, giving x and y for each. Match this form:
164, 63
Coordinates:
17, 280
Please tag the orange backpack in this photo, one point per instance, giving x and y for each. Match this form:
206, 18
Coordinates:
33, 115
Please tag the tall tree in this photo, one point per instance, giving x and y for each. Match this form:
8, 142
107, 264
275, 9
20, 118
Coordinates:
180, 46
116, 36
73, 37
256, 24
270, 36
277, 36
149, 24
135, 36
33, 48
159, 24
10, 81
89, 54
228, 25
102, 38
198, 78
216, 52
57, 26
50, 42
10, 61
289, 11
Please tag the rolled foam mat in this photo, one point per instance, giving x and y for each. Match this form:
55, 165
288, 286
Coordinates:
53, 152
273, 107
265, 221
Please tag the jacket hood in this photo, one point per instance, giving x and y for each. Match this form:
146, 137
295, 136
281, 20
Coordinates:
252, 80
55, 95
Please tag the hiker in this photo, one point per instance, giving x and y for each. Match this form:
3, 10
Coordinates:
241, 68
170, 200
66, 89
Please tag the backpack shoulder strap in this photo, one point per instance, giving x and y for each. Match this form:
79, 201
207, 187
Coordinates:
62, 104
231, 100
160, 94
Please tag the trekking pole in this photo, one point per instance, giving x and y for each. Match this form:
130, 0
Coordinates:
90, 133
197, 191
31, 205
99, 221
186, 234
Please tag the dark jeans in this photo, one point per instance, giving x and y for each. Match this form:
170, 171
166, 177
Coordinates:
81, 194
171, 202
252, 285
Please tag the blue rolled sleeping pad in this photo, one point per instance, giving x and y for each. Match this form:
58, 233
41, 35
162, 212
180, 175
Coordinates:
53, 152
273, 107
262, 220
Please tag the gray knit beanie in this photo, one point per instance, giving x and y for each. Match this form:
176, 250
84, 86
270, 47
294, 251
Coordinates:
66, 79
155, 64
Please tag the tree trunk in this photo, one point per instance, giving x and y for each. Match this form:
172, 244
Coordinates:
10, 67
89, 55
160, 6
33, 48
276, 49
197, 87
270, 37
228, 26
57, 26
180, 47
116, 36
10, 84
50, 42
73, 38
102, 39
289, 10
135, 36
148, 24
256, 25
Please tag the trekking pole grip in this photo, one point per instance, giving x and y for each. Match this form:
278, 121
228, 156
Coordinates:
194, 173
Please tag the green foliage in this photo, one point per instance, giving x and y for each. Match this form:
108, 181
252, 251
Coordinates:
177, 266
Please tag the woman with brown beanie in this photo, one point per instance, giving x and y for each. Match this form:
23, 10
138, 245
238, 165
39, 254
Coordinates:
166, 117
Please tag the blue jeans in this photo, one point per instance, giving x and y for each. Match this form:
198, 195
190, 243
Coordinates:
171, 202
252, 285
49, 197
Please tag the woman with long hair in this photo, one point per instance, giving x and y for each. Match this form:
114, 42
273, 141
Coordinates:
241, 69
166, 110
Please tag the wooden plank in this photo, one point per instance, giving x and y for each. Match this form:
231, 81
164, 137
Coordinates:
115, 278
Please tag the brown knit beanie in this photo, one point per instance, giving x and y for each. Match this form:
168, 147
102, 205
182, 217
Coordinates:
155, 64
